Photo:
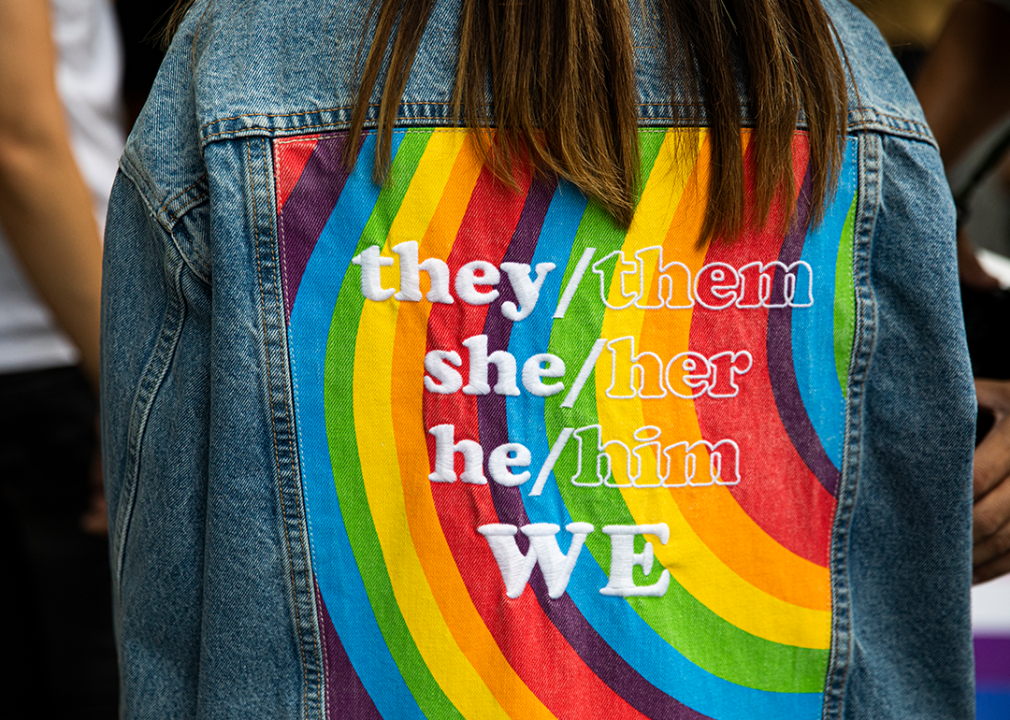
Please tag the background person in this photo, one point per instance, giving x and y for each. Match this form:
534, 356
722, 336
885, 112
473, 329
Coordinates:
58, 122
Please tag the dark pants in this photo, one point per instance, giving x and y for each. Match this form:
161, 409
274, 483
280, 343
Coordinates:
58, 651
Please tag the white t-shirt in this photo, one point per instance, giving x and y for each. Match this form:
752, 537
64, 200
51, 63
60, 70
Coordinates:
88, 76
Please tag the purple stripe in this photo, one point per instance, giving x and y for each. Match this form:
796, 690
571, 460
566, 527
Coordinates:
605, 662
992, 660
780, 359
492, 420
602, 659
346, 697
304, 215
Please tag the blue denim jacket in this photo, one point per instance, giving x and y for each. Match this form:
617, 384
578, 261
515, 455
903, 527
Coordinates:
729, 482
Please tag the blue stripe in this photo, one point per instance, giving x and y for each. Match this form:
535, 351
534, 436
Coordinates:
344, 591
813, 328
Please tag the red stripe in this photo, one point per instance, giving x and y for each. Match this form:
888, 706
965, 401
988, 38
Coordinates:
291, 158
777, 490
529, 641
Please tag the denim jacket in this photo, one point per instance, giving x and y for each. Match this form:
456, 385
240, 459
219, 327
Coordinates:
449, 449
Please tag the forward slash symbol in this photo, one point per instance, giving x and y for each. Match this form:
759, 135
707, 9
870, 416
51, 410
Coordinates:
584, 373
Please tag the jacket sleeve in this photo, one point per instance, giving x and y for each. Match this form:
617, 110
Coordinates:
903, 534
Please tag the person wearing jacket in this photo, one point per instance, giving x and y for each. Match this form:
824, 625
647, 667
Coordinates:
472, 359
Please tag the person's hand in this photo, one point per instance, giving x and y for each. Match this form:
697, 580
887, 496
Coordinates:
95, 519
991, 515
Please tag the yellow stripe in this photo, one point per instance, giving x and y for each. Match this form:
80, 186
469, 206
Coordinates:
686, 556
373, 368
450, 592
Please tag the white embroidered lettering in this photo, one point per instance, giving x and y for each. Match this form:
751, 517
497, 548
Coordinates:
584, 372
593, 465
672, 283
446, 448
648, 457
573, 283
444, 380
410, 278
479, 361
474, 274
776, 285
623, 560
629, 278
527, 291
755, 287
634, 375
505, 456
438, 273
370, 261
533, 370
715, 286
726, 366
614, 464
687, 375
684, 461
645, 282
516, 568
552, 458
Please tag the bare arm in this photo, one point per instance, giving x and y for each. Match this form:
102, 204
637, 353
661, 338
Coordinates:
45, 207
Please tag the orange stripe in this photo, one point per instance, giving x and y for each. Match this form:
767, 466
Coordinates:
450, 593
713, 512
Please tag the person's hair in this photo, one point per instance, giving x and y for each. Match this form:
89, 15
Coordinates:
562, 91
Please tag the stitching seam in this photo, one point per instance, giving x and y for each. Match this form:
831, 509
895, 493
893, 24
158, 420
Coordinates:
316, 596
856, 110
292, 449
150, 382
273, 430
858, 127
402, 104
841, 650
164, 206
280, 232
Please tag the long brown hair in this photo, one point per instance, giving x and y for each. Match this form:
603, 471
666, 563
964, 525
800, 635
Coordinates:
562, 82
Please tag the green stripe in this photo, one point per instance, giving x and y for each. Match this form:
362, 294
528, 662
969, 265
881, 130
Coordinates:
703, 637
339, 385
845, 300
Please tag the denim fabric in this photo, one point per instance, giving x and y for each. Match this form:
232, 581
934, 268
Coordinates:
902, 538
217, 608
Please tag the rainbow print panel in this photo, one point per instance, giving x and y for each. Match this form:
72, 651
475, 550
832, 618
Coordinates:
554, 468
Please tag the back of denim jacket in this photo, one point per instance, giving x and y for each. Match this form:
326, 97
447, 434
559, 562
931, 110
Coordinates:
449, 449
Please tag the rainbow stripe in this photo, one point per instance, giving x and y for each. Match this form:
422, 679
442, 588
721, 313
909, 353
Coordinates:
415, 618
